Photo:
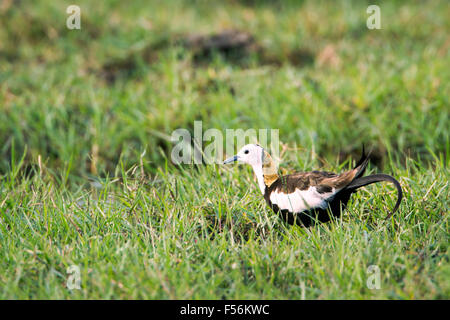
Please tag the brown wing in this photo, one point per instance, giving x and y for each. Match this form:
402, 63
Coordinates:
323, 181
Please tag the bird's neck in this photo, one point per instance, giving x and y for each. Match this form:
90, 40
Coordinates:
266, 173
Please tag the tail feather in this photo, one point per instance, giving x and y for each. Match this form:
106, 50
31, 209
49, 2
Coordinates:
364, 181
361, 164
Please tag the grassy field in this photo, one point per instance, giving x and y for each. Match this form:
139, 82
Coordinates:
86, 177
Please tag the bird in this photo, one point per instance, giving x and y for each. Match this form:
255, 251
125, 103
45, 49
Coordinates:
307, 198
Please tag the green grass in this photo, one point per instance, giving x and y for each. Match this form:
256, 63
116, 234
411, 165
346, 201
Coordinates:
79, 108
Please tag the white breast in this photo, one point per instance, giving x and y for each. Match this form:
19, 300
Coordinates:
301, 200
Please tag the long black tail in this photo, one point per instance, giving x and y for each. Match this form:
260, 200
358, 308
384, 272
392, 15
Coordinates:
364, 181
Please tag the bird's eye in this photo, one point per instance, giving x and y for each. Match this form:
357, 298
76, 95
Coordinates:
246, 151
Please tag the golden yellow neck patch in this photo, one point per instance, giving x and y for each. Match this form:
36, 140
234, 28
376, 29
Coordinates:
269, 179
269, 169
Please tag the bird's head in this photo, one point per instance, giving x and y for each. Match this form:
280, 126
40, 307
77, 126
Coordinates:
251, 154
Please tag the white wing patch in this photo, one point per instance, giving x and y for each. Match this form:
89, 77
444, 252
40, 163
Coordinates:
301, 200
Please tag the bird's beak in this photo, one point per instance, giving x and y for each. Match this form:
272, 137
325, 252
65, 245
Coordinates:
232, 159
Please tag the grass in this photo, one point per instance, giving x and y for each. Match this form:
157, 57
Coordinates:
79, 108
